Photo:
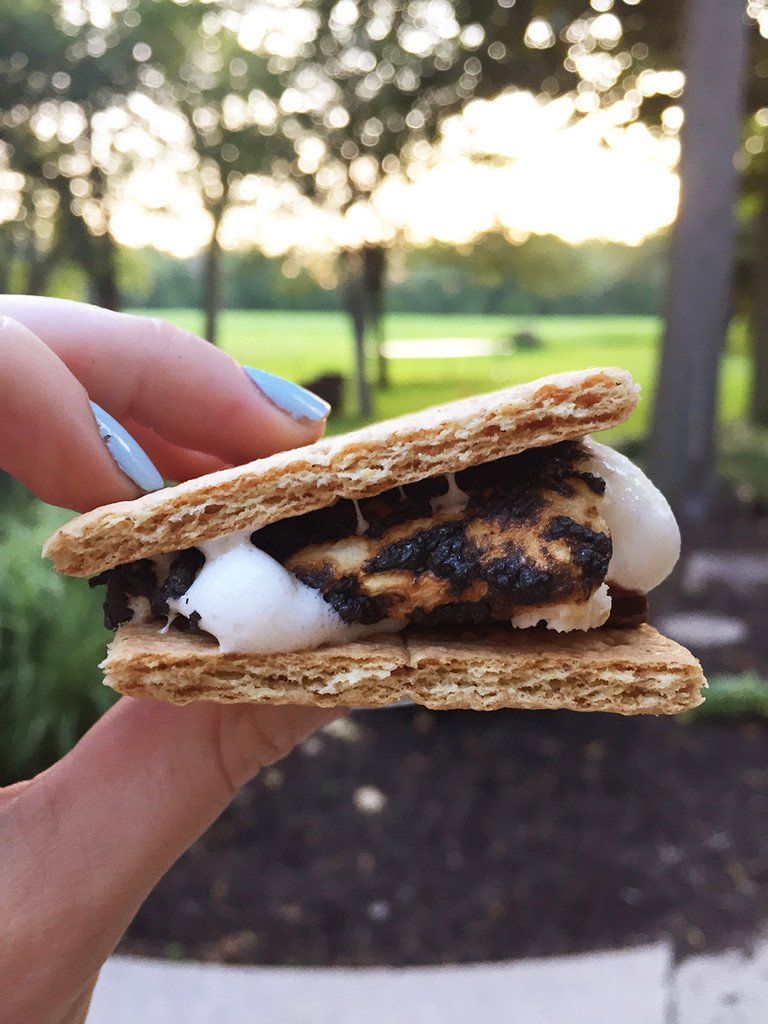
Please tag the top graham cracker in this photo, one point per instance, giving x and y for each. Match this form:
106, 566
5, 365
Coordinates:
359, 464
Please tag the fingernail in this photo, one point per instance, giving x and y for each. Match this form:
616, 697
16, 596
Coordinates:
127, 452
290, 397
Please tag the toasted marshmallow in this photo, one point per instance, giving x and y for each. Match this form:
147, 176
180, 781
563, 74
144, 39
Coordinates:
250, 602
644, 532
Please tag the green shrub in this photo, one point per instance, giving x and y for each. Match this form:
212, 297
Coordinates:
743, 460
733, 698
51, 642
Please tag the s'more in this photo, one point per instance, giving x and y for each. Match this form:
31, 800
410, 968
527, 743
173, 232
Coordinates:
488, 553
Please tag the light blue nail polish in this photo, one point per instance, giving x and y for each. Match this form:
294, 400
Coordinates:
290, 397
127, 452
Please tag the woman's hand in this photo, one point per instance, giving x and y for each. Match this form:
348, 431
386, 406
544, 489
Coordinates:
191, 407
82, 844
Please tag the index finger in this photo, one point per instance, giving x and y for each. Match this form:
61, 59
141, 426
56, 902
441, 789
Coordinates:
148, 371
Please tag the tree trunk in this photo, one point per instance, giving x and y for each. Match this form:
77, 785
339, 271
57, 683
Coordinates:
212, 284
101, 249
38, 271
104, 279
105, 290
362, 387
681, 452
356, 304
96, 255
374, 270
7, 253
382, 363
102, 271
758, 404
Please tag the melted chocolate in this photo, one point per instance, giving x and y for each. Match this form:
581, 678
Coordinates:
137, 579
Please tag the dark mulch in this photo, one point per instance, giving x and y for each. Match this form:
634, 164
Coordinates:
412, 837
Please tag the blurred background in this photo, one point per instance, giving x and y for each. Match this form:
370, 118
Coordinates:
397, 203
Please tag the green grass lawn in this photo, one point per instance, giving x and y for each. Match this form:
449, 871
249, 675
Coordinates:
301, 346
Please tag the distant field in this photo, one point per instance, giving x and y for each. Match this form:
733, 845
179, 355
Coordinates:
302, 346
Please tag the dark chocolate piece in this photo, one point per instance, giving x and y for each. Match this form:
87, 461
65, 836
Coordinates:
136, 579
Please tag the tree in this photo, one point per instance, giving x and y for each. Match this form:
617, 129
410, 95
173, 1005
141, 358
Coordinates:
355, 98
752, 263
682, 440
377, 81
63, 67
368, 99
228, 98
354, 93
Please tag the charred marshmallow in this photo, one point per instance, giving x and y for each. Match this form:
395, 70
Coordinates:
250, 602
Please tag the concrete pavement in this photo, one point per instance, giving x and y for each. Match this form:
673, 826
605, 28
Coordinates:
637, 986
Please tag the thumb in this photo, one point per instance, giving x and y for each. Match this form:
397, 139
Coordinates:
98, 829
150, 777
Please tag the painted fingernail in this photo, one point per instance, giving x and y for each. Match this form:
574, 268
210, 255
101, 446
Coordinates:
127, 452
290, 397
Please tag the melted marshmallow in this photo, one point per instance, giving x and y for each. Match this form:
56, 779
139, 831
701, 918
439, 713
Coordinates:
644, 532
362, 522
454, 497
565, 617
249, 602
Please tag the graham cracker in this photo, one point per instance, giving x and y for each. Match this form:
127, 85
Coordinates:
627, 671
359, 464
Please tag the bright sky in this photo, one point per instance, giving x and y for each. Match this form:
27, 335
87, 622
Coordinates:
511, 163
